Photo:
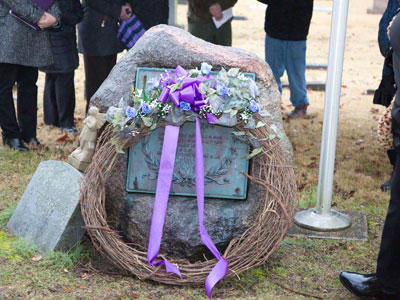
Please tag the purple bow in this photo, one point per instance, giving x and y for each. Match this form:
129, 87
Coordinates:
189, 92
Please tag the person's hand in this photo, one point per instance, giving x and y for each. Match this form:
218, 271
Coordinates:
46, 21
216, 11
126, 12
390, 25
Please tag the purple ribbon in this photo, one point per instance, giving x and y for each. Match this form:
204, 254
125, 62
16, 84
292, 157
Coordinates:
164, 183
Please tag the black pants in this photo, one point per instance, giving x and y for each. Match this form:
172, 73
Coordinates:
59, 100
388, 266
97, 69
26, 78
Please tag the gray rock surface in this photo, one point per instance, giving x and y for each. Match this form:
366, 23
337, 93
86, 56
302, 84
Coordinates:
48, 213
167, 47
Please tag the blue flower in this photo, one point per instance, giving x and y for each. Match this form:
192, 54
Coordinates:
146, 108
153, 83
184, 106
131, 112
221, 88
254, 107
205, 68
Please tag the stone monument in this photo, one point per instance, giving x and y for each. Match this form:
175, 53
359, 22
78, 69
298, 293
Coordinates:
225, 216
48, 213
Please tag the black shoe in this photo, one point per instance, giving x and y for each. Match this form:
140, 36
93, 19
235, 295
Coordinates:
365, 286
299, 111
70, 129
15, 144
32, 141
385, 187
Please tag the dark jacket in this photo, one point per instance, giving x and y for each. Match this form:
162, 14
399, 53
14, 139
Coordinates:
20, 44
63, 40
151, 12
288, 19
99, 27
383, 40
395, 41
198, 11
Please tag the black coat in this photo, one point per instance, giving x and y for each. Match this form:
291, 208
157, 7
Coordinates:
99, 27
288, 19
63, 40
151, 12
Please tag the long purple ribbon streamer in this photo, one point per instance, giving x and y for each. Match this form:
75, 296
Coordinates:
164, 183
220, 269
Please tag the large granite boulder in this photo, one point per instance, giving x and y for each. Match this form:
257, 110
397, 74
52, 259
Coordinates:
166, 47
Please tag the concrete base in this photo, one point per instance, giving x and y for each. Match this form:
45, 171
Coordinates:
79, 165
357, 231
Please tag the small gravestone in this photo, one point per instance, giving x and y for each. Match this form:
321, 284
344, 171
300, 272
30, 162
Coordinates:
48, 213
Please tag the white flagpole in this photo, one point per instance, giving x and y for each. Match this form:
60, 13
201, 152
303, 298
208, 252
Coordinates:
322, 217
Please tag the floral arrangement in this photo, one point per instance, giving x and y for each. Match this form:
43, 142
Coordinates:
227, 99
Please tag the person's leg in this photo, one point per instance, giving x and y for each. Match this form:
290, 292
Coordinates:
50, 111
8, 120
275, 52
224, 35
388, 264
296, 70
97, 68
65, 91
27, 101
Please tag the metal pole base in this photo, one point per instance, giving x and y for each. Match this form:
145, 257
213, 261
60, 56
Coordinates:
310, 219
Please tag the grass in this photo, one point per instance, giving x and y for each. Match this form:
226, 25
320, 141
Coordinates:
300, 265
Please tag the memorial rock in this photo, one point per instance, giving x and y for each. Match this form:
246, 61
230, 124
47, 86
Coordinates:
48, 213
131, 212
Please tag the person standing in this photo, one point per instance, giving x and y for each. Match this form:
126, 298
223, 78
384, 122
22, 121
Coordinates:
98, 42
201, 25
387, 88
385, 283
22, 51
59, 89
287, 23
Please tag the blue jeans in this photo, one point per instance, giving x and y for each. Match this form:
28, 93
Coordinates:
284, 55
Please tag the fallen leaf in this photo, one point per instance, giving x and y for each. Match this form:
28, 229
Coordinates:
85, 276
36, 258
374, 110
62, 139
351, 247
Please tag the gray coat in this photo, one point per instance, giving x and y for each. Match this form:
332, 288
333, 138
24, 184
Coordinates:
20, 44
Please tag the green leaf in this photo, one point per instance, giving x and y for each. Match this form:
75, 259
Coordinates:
234, 72
260, 124
148, 121
238, 133
274, 128
280, 135
154, 126
254, 153
233, 113
272, 136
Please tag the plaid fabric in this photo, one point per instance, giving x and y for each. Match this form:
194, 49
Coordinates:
130, 31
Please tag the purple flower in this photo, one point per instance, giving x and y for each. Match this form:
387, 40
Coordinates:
146, 108
205, 68
184, 106
254, 107
221, 88
131, 112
